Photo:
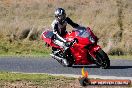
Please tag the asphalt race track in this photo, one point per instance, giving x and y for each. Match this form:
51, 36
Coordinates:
119, 67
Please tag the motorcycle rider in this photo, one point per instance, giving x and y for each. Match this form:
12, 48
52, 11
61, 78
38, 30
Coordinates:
59, 30
59, 27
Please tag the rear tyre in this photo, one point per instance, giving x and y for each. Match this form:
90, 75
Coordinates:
102, 59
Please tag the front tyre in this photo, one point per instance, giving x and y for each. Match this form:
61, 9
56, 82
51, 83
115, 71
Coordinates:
102, 59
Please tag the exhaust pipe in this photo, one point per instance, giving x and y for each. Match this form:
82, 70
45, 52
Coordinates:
60, 60
56, 57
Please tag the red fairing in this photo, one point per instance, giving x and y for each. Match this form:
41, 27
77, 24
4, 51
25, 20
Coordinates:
96, 48
70, 36
78, 50
47, 40
80, 53
93, 50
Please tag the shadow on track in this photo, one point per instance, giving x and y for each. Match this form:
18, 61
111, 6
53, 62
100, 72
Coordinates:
111, 67
86, 66
120, 67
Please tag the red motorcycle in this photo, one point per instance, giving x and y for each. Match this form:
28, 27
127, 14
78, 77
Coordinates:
82, 50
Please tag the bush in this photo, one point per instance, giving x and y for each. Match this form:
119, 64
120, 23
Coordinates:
117, 51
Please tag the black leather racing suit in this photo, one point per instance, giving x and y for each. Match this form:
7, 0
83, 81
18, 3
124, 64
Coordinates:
59, 29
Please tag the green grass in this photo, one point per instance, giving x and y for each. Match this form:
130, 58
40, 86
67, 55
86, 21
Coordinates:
21, 80
22, 48
39, 80
7, 76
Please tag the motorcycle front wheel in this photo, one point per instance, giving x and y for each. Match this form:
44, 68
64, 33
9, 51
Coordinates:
102, 59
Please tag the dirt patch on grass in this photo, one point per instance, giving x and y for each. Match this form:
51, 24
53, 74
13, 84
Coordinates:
51, 84
19, 84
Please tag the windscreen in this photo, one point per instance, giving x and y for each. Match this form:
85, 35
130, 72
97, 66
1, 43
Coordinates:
83, 33
49, 34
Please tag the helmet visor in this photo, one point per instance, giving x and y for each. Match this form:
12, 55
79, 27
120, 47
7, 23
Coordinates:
60, 17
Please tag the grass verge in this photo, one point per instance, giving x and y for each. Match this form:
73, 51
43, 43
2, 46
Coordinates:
19, 80
23, 48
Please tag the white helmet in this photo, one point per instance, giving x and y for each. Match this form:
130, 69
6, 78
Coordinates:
60, 14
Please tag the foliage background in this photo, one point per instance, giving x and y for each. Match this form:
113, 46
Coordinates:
22, 22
